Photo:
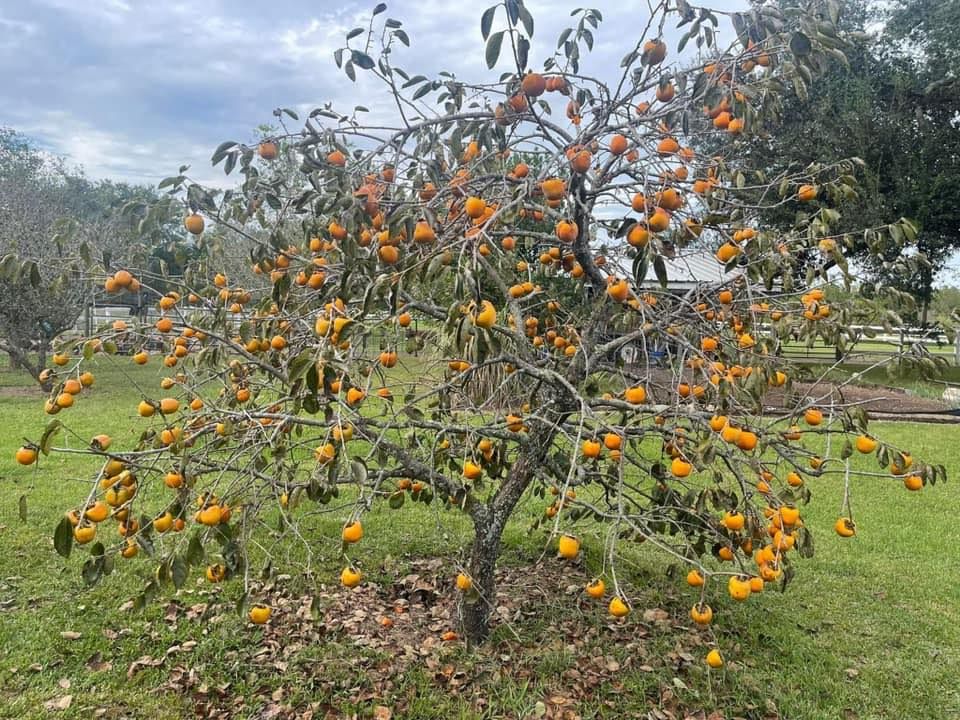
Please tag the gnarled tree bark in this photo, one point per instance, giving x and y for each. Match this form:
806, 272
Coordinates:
489, 521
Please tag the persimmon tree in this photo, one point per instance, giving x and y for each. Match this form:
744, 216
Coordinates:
522, 222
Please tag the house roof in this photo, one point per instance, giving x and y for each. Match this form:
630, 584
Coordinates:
689, 269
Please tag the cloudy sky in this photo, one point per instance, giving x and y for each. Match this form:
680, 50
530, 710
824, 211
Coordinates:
131, 89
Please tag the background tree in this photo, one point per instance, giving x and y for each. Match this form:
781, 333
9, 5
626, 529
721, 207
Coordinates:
285, 392
893, 103
50, 214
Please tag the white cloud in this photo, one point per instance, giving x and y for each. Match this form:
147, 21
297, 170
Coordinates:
14, 33
134, 88
110, 11
114, 155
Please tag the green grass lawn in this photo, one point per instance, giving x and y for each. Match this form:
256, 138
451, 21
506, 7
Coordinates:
868, 629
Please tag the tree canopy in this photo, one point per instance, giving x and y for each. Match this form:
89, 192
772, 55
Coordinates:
295, 391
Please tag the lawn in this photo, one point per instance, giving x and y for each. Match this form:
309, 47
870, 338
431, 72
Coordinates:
867, 629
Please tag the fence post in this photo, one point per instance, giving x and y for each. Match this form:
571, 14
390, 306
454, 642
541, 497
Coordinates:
900, 353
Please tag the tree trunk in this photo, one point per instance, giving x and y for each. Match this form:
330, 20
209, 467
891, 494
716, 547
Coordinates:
20, 360
42, 350
489, 521
475, 607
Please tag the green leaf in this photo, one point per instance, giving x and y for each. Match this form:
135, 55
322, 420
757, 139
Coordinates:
194, 554
909, 229
92, 570
145, 540
527, 19
422, 90
358, 471
800, 44
396, 499
53, 427
740, 26
513, 11
178, 572
660, 270
587, 38
640, 268
413, 81
493, 48
8, 266
351, 73
402, 36
219, 154
523, 51
354, 33
63, 537
362, 60
299, 366
486, 21
847, 450
22, 508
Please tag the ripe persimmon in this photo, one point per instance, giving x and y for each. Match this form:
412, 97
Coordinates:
701, 614
568, 546
618, 608
844, 527
596, 588
352, 532
350, 577
26, 455
259, 614
194, 224
533, 84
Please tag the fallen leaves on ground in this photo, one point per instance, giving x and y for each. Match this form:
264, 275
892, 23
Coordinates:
60, 703
372, 648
